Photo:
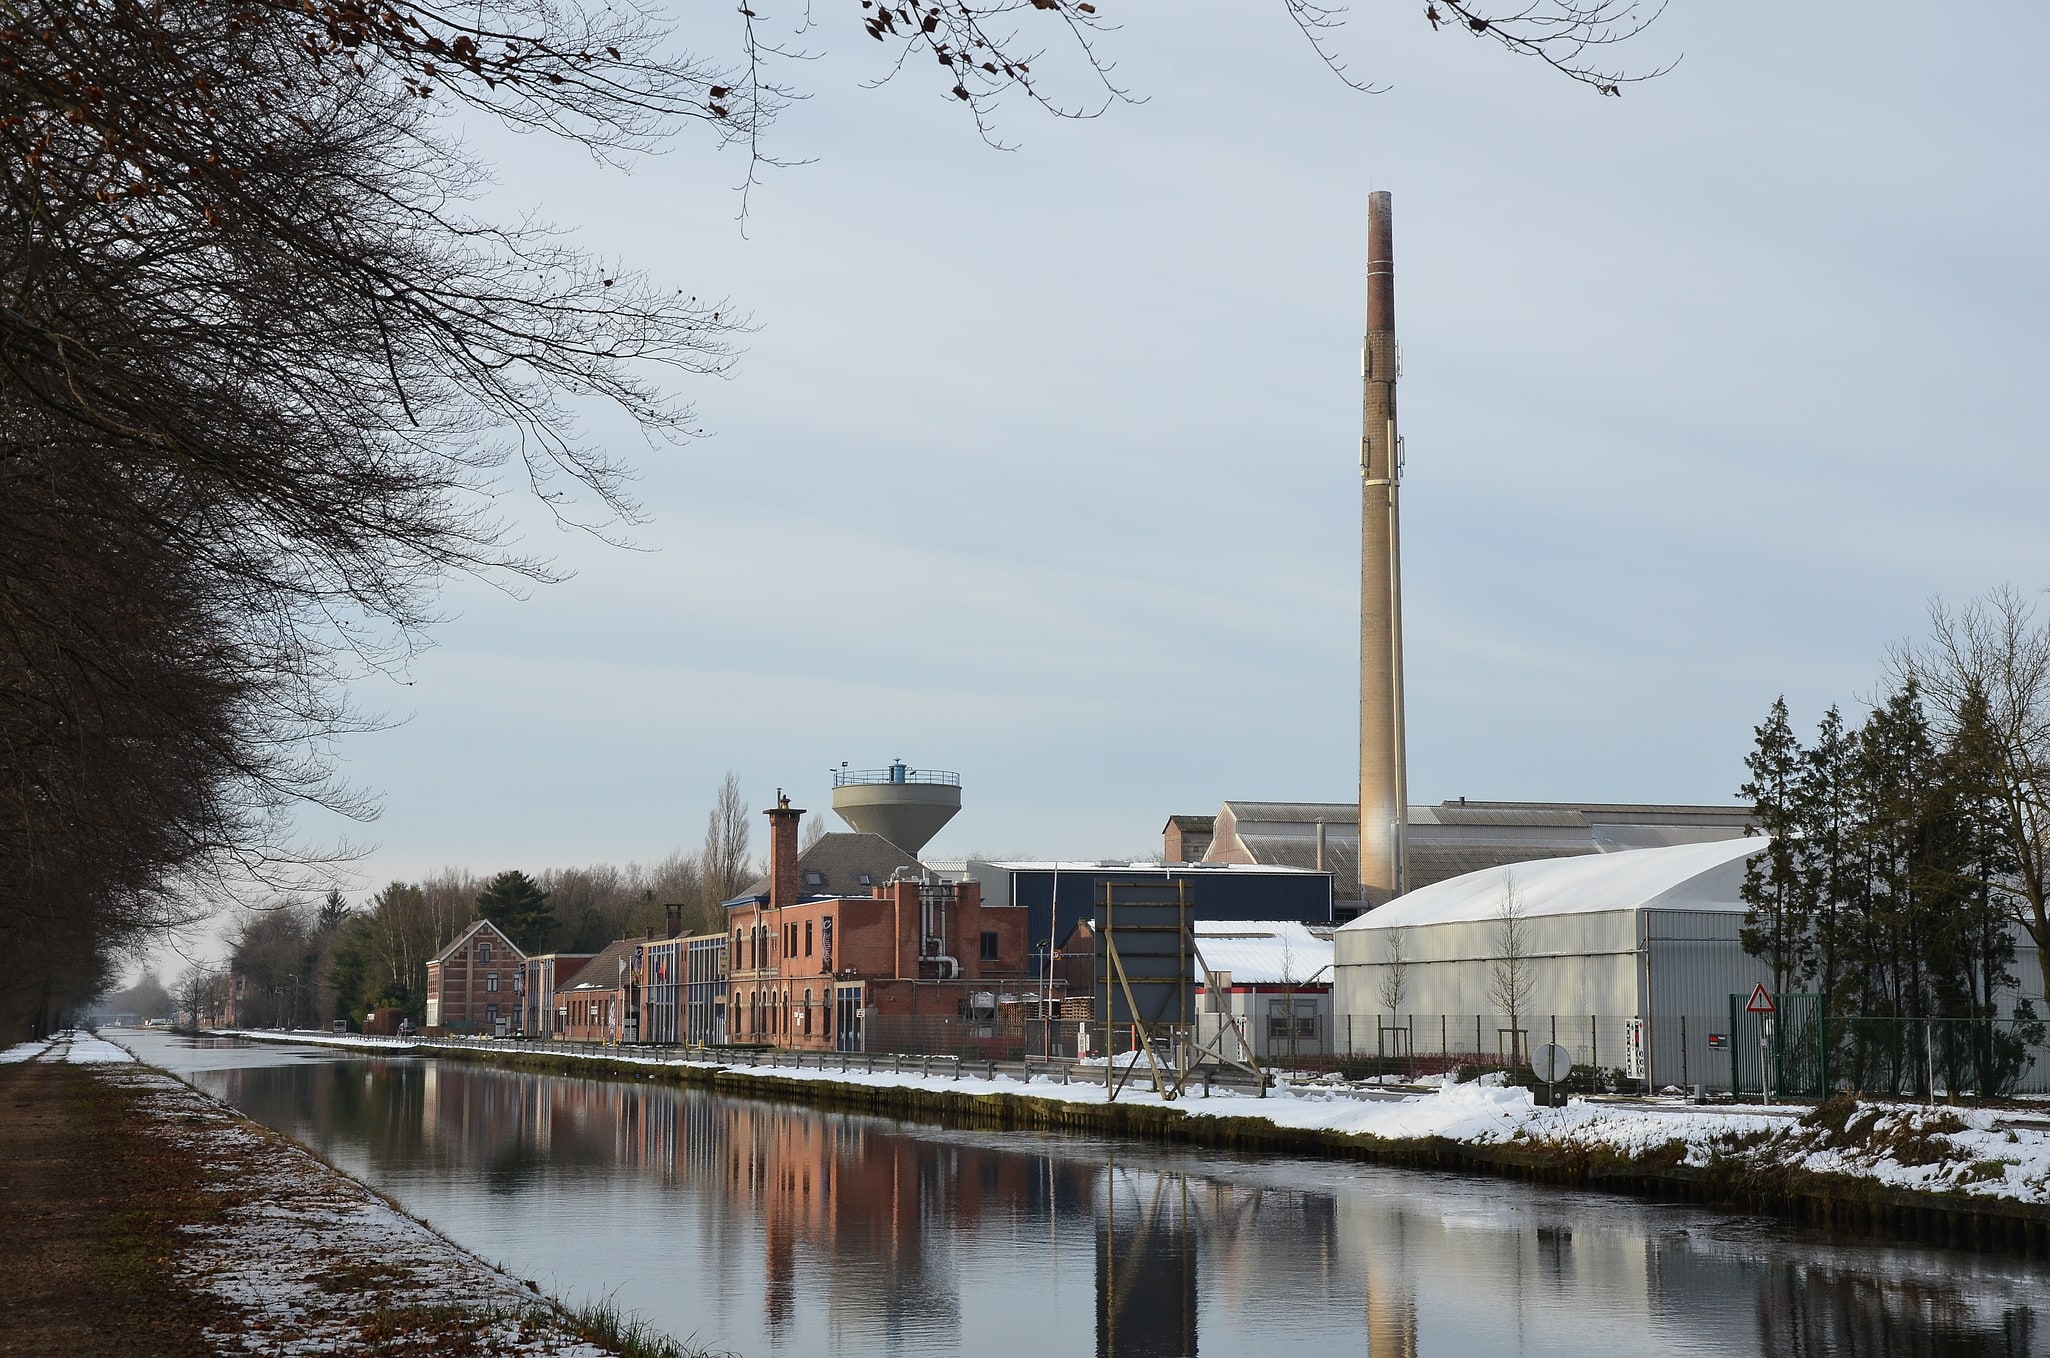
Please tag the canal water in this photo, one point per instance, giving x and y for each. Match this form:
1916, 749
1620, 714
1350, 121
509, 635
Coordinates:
763, 1229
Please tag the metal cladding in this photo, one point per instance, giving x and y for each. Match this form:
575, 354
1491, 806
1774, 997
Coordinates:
1384, 792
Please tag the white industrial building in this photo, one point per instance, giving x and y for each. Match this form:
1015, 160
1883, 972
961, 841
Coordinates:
1263, 989
1644, 935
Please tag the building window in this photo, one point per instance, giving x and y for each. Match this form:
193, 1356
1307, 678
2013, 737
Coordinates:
989, 945
807, 938
491, 982
865, 879
491, 1013
484, 952
807, 1011
1305, 1019
815, 879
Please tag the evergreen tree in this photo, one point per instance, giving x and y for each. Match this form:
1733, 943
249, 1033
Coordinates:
520, 909
1971, 951
333, 911
1826, 814
1897, 768
1777, 923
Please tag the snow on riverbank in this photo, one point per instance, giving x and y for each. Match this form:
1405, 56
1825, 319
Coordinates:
310, 1261
1981, 1153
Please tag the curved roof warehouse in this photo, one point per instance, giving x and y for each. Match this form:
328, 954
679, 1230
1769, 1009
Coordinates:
1596, 942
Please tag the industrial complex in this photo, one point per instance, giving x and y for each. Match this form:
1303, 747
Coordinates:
1467, 929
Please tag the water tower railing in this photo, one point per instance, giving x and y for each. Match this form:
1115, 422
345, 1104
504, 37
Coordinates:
861, 777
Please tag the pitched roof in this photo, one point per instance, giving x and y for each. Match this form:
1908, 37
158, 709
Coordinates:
1263, 952
464, 937
1187, 823
602, 971
839, 860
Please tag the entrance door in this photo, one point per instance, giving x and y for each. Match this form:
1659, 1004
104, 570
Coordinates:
847, 1018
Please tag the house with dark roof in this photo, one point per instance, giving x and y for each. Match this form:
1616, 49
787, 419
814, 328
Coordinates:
473, 983
594, 1003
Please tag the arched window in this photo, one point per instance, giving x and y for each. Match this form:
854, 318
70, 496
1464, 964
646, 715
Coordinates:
807, 1011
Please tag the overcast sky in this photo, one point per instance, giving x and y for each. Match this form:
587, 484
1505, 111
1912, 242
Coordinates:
1042, 464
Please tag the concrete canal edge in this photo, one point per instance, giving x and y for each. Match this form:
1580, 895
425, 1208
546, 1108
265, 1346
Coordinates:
1834, 1202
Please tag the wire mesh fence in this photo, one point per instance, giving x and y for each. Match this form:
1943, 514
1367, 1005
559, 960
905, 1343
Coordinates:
1802, 1052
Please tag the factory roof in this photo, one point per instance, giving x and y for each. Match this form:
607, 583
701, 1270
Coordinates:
1264, 952
1676, 877
837, 863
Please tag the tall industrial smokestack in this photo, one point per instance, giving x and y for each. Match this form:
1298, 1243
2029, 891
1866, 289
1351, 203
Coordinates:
1384, 781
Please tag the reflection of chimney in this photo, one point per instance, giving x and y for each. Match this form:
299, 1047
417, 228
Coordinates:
783, 818
1384, 792
675, 912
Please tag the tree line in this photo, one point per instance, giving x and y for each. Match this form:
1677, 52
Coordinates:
1907, 849
298, 965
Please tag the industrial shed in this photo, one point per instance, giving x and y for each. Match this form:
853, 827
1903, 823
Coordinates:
1641, 934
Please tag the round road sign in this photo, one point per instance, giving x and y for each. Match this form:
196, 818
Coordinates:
1551, 1063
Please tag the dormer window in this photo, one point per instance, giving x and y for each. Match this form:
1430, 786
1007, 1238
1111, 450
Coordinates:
866, 879
815, 879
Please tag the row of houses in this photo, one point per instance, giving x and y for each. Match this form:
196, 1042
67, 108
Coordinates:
850, 932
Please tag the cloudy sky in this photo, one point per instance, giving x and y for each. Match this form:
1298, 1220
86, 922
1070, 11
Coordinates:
1041, 463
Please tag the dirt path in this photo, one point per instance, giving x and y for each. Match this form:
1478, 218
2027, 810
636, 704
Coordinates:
140, 1217
90, 1222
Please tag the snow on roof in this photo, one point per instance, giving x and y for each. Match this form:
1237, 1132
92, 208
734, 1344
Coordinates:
1263, 952
1680, 877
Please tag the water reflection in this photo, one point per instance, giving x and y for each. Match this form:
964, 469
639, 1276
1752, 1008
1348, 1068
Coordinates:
768, 1229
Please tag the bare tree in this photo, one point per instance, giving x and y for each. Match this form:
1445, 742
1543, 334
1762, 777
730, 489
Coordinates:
1509, 978
264, 370
814, 830
724, 860
1394, 969
1989, 665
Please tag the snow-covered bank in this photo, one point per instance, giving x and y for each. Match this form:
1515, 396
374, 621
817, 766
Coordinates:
1975, 1154
299, 1258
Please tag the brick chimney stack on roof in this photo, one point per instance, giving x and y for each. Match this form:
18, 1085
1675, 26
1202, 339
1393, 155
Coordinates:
783, 819
675, 912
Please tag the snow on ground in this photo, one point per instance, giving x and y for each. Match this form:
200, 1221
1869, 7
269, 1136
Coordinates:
1978, 1152
86, 1049
26, 1051
314, 1262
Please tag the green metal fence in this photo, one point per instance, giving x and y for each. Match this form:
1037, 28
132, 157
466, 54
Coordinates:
1806, 1053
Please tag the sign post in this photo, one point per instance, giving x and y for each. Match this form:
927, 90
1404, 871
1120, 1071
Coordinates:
1761, 1005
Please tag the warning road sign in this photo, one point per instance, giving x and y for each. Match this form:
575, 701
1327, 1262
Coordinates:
1761, 1003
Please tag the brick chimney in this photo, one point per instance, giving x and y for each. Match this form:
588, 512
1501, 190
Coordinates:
675, 911
783, 819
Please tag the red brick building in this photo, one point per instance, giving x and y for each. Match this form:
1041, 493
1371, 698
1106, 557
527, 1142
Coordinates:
471, 984
813, 973
593, 1004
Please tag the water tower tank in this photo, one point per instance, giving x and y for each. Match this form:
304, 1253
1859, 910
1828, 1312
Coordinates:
904, 805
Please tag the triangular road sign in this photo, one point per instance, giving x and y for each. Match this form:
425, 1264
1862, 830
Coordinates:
1761, 1003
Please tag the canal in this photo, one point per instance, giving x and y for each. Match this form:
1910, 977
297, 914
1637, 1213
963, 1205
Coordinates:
766, 1229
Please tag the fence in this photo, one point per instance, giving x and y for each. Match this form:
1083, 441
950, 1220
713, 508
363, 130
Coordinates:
1808, 1054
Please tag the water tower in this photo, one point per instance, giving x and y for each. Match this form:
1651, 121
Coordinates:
904, 805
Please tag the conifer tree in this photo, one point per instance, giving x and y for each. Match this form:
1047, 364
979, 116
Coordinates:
1828, 829
1776, 926
520, 909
